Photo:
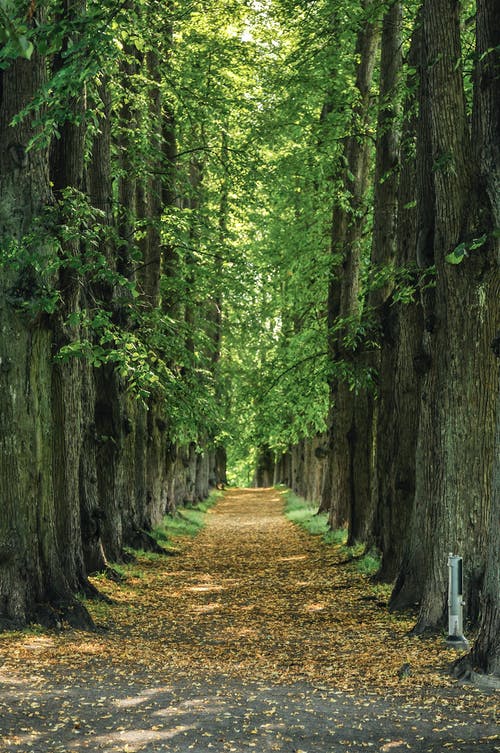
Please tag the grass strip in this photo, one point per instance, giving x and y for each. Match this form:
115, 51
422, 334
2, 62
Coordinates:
305, 514
186, 521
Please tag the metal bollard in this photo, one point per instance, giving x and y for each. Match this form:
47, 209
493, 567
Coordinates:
455, 637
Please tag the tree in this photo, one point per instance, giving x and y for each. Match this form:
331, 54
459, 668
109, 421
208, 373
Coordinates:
82, 311
33, 524
455, 444
398, 395
344, 297
383, 258
485, 654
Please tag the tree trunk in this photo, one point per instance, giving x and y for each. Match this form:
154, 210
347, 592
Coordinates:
343, 299
202, 487
112, 426
485, 654
149, 192
384, 240
99, 385
67, 172
31, 564
127, 122
220, 466
455, 446
398, 394
282, 474
90, 508
264, 473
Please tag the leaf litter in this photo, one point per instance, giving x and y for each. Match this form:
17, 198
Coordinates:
251, 638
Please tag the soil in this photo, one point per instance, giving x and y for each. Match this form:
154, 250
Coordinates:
254, 638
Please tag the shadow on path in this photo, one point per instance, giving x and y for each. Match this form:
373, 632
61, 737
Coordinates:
249, 641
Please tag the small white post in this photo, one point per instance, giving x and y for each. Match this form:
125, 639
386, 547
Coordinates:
455, 637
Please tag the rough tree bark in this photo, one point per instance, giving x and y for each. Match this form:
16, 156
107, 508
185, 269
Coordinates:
150, 449
384, 241
398, 401
98, 385
33, 581
67, 173
485, 655
484, 659
456, 437
343, 299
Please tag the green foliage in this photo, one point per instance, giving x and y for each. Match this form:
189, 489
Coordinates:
260, 97
42, 254
246, 87
241, 468
14, 34
463, 249
79, 47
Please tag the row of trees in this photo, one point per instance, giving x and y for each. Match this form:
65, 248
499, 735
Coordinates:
407, 332
110, 332
270, 227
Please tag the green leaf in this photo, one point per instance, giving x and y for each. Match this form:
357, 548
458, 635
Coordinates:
25, 47
477, 242
457, 255
74, 319
460, 252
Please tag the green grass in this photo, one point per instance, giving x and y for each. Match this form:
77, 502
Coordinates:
186, 521
369, 563
304, 513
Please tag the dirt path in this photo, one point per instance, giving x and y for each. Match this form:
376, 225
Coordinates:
255, 638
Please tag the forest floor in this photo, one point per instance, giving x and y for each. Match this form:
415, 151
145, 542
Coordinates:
256, 637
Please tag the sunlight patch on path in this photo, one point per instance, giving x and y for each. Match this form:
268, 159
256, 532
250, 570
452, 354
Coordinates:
253, 639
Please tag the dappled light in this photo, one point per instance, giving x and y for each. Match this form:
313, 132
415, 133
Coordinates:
204, 589
249, 376
259, 633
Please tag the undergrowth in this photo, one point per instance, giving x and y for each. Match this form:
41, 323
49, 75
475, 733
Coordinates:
305, 514
186, 521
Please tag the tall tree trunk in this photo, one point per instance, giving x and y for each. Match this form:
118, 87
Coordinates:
115, 411
217, 304
486, 650
149, 191
31, 563
343, 299
384, 239
455, 444
150, 448
485, 654
67, 172
99, 385
398, 399
264, 473
127, 123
